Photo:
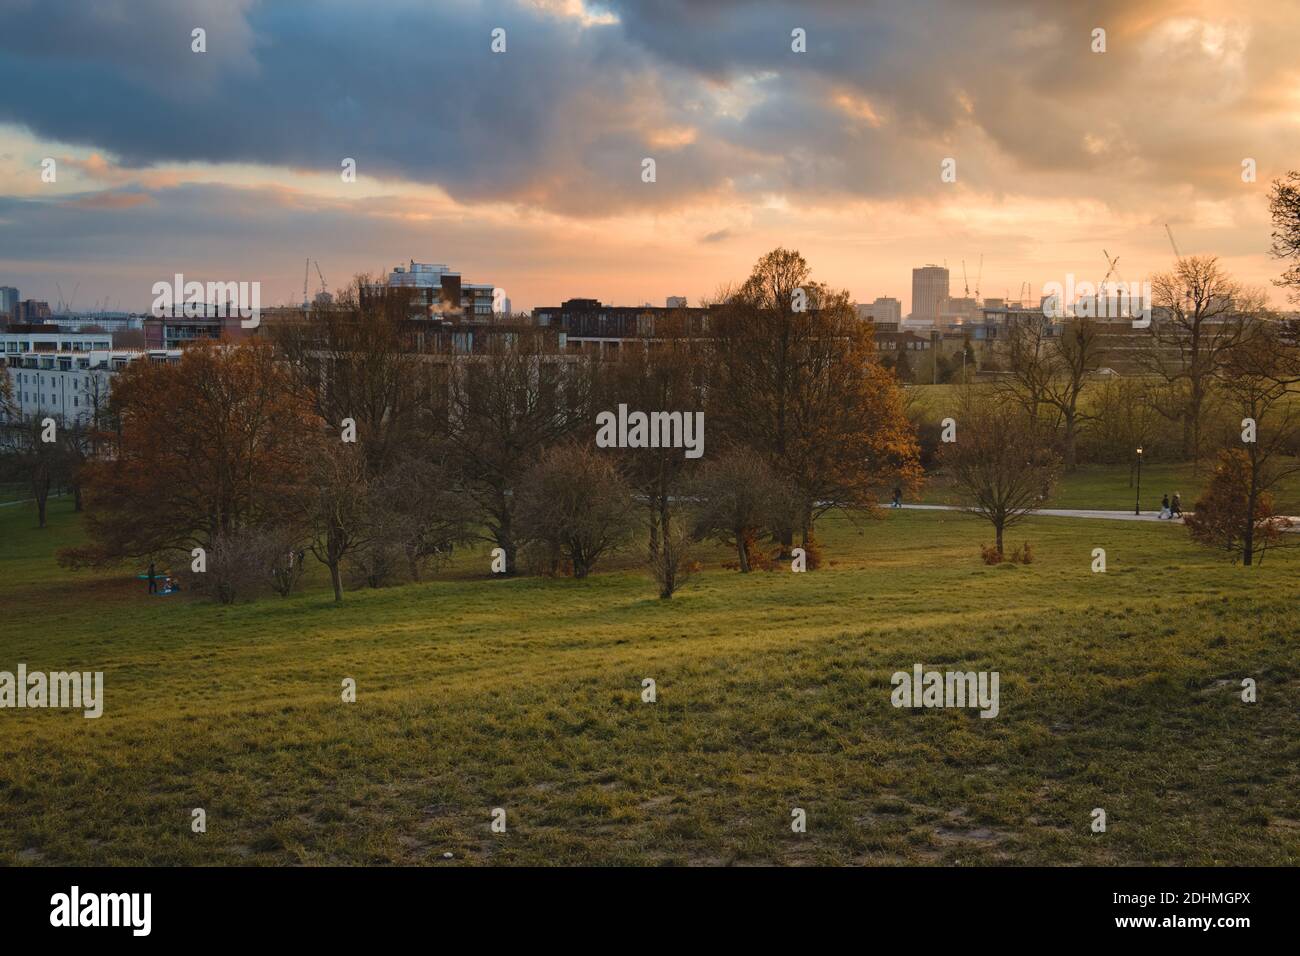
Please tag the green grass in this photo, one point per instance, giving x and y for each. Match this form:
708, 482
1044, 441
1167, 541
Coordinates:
1117, 691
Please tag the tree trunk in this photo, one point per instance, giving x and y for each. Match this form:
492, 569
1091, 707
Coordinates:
998, 527
742, 550
1248, 539
654, 531
336, 580
1071, 443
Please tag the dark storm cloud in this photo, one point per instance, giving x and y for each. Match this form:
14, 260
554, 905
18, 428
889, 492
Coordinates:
561, 121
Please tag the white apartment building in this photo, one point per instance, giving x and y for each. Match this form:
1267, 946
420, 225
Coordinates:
65, 375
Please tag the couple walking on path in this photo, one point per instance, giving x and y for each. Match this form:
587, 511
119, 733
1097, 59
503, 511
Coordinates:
1171, 510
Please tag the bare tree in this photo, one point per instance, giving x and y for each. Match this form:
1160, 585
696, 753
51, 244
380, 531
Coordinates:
576, 501
337, 506
1049, 368
1202, 315
507, 403
1123, 420
663, 371
1284, 208
737, 499
35, 455
670, 562
1002, 463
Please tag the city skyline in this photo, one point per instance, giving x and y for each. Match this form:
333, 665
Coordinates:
538, 187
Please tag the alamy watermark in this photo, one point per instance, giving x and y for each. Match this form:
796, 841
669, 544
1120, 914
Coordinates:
1110, 300
194, 300
651, 430
57, 689
922, 688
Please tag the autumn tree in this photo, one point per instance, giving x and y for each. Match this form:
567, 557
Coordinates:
207, 445
1261, 385
1002, 463
1234, 514
794, 378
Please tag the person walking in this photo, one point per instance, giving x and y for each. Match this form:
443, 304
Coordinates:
153, 579
1176, 511
1164, 506
898, 497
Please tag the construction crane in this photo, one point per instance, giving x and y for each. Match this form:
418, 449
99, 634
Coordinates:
324, 289
977, 278
1110, 268
1177, 255
964, 281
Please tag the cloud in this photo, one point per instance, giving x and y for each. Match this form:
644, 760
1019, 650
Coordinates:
110, 200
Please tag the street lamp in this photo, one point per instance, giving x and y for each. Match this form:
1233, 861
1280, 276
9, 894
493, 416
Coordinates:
1137, 505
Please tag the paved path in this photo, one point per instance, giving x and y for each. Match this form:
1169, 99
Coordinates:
1084, 513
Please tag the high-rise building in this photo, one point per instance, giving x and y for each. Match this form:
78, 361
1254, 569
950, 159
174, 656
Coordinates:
929, 292
676, 302
886, 309
8, 301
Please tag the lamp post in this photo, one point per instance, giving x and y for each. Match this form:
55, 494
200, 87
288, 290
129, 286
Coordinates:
1137, 505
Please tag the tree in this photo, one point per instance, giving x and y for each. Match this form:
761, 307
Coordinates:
356, 358
794, 378
1049, 367
1002, 464
903, 365
506, 404
1202, 318
1234, 514
36, 456
338, 506
738, 498
1123, 420
670, 563
1259, 379
1284, 208
576, 501
428, 515
208, 445
661, 372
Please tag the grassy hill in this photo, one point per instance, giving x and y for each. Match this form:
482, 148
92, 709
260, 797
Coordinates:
1118, 690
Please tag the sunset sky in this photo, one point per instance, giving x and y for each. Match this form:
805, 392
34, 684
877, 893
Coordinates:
523, 168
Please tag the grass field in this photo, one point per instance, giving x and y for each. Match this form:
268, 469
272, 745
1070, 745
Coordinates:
1118, 690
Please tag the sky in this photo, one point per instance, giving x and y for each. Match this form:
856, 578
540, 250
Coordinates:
524, 168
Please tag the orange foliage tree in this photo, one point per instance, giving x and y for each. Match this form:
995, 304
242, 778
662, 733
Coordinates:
795, 378
207, 446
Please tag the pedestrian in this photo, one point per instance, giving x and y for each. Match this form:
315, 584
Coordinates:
1177, 509
898, 497
153, 579
1164, 506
